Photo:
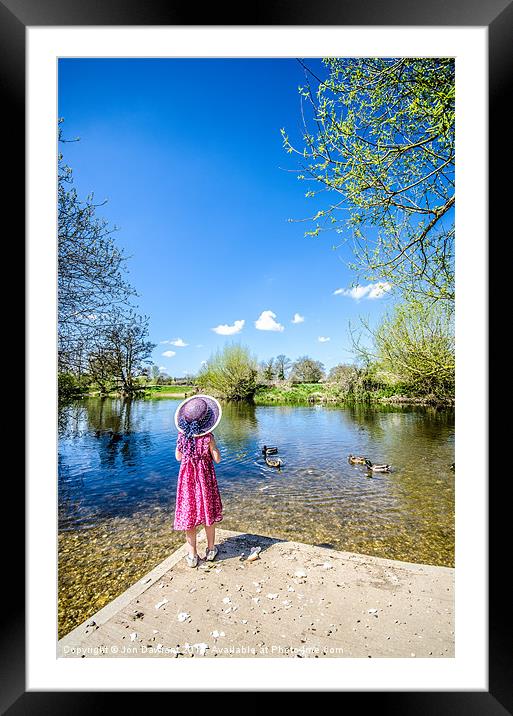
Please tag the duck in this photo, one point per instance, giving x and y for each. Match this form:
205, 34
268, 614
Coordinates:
357, 460
273, 462
377, 468
269, 450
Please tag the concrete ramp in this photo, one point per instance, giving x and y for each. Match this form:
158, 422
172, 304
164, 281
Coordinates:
295, 601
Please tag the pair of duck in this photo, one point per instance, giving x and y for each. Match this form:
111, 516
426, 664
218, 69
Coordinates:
270, 461
359, 460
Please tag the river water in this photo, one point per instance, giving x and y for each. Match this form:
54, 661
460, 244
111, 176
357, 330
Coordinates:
117, 485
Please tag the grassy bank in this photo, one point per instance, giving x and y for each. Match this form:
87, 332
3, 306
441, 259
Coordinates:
166, 391
149, 391
300, 393
333, 394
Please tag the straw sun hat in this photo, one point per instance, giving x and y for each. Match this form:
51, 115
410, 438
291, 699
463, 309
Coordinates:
198, 415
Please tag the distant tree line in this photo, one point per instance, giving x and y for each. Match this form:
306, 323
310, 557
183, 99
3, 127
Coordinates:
410, 361
302, 370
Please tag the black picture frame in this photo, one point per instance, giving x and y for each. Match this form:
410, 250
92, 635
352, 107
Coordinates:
497, 16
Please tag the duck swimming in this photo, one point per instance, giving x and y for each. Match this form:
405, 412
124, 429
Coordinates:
273, 462
377, 468
269, 450
357, 460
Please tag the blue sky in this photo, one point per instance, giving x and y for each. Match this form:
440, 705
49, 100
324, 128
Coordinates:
189, 156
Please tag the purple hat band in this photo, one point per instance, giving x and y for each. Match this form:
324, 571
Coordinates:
198, 415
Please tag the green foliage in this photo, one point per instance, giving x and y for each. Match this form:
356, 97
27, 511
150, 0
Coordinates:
378, 137
288, 393
307, 370
72, 386
230, 373
153, 392
414, 349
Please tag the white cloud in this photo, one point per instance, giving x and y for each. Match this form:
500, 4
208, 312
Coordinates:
225, 330
298, 318
178, 342
266, 322
162, 367
169, 354
324, 339
200, 345
372, 290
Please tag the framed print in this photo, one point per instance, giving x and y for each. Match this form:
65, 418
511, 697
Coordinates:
257, 411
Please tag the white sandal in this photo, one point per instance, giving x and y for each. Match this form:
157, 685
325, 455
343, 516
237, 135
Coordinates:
211, 554
192, 561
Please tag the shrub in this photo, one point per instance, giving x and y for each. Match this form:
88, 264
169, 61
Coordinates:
70, 385
230, 373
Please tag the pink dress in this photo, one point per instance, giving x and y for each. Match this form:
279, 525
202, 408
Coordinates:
198, 501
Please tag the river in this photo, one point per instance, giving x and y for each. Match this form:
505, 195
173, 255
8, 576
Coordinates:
117, 485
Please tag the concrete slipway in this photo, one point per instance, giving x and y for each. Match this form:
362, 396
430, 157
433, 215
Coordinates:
296, 600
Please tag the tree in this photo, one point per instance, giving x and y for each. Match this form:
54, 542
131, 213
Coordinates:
268, 369
343, 375
378, 136
230, 373
282, 366
155, 373
91, 273
101, 364
415, 345
126, 342
307, 370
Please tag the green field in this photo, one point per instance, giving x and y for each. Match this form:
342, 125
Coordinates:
162, 390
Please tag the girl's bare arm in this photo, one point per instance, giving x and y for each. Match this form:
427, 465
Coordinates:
214, 450
178, 454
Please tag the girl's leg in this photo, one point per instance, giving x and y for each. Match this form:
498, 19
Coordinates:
190, 536
211, 535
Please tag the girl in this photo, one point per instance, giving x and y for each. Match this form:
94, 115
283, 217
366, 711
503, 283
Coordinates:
198, 501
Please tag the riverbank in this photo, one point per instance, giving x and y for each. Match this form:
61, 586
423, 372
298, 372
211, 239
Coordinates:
332, 394
288, 394
296, 600
151, 391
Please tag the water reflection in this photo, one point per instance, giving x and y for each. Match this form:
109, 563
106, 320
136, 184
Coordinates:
117, 480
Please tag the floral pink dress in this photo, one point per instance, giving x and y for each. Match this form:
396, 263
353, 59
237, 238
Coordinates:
198, 501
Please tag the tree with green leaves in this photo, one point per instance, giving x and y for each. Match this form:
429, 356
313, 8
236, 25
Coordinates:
230, 373
377, 147
414, 346
307, 370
